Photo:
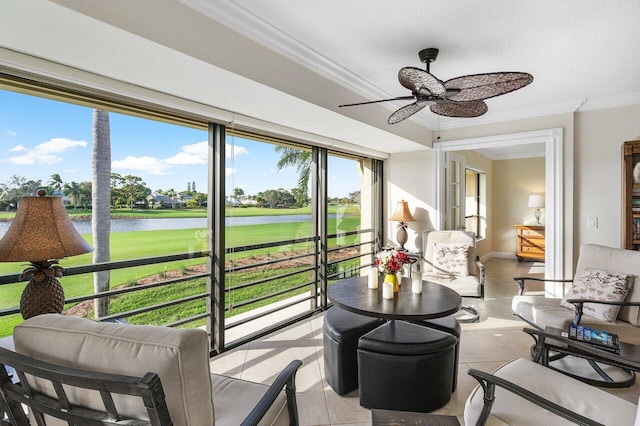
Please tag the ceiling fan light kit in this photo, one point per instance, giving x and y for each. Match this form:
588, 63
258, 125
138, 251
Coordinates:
458, 97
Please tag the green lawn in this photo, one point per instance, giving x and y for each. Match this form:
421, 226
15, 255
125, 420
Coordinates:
132, 245
351, 209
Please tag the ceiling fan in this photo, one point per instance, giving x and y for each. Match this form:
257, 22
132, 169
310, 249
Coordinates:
459, 97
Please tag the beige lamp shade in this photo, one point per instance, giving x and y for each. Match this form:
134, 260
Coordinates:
402, 213
536, 201
40, 231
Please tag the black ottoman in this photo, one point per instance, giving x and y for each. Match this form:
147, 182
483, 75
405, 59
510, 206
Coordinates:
341, 332
448, 325
405, 367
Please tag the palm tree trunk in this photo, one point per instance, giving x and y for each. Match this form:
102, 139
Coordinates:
100, 202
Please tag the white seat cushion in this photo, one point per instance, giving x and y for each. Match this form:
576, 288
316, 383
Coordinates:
234, 399
572, 394
621, 261
465, 286
547, 312
179, 356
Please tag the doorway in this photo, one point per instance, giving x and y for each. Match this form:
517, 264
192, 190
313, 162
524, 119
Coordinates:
554, 188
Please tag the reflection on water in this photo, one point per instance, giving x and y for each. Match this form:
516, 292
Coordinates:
126, 225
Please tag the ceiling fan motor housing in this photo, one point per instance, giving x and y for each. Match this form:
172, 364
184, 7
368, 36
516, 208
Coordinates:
428, 55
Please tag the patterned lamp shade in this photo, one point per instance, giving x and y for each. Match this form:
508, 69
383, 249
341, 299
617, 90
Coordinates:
41, 233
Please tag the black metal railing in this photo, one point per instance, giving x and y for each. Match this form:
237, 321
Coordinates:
304, 276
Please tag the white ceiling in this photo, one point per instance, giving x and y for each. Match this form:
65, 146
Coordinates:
582, 53
291, 63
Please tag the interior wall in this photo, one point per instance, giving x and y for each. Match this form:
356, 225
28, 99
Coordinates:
410, 176
592, 181
564, 121
514, 180
598, 187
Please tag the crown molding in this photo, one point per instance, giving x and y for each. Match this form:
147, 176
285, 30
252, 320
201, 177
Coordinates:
239, 19
614, 101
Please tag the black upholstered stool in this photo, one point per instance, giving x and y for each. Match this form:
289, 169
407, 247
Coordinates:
406, 367
341, 332
452, 326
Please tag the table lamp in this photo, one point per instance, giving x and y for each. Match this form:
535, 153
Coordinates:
402, 215
41, 233
537, 202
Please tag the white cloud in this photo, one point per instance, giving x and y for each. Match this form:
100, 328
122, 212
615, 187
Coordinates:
58, 145
18, 148
229, 171
150, 165
196, 153
233, 150
11, 133
46, 152
191, 154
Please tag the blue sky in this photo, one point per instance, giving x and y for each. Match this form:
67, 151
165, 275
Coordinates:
39, 137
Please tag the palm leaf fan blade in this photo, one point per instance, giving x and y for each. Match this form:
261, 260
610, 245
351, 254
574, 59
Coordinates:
415, 79
404, 113
460, 109
484, 86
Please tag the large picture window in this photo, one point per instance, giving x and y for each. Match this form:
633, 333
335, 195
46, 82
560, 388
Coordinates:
282, 201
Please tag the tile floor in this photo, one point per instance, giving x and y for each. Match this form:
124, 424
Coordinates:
485, 345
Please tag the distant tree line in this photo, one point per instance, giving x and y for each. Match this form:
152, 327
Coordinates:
130, 191
127, 191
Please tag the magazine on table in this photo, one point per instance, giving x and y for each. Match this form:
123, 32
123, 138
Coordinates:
597, 338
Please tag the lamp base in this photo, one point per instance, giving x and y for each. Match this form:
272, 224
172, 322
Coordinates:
402, 235
537, 214
42, 297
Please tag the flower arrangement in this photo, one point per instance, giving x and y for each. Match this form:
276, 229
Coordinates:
391, 261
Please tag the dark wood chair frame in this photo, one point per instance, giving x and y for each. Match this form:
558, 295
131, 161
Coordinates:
546, 342
148, 388
538, 347
475, 315
489, 383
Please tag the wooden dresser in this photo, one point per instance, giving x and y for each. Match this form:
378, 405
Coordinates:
530, 242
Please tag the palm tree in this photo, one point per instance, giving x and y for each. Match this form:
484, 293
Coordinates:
101, 203
301, 160
171, 193
55, 182
73, 190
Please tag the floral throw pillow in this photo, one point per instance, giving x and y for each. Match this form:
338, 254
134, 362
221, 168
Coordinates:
451, 258
596, 284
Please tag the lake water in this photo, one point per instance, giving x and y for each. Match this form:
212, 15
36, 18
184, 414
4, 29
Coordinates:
126, 225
